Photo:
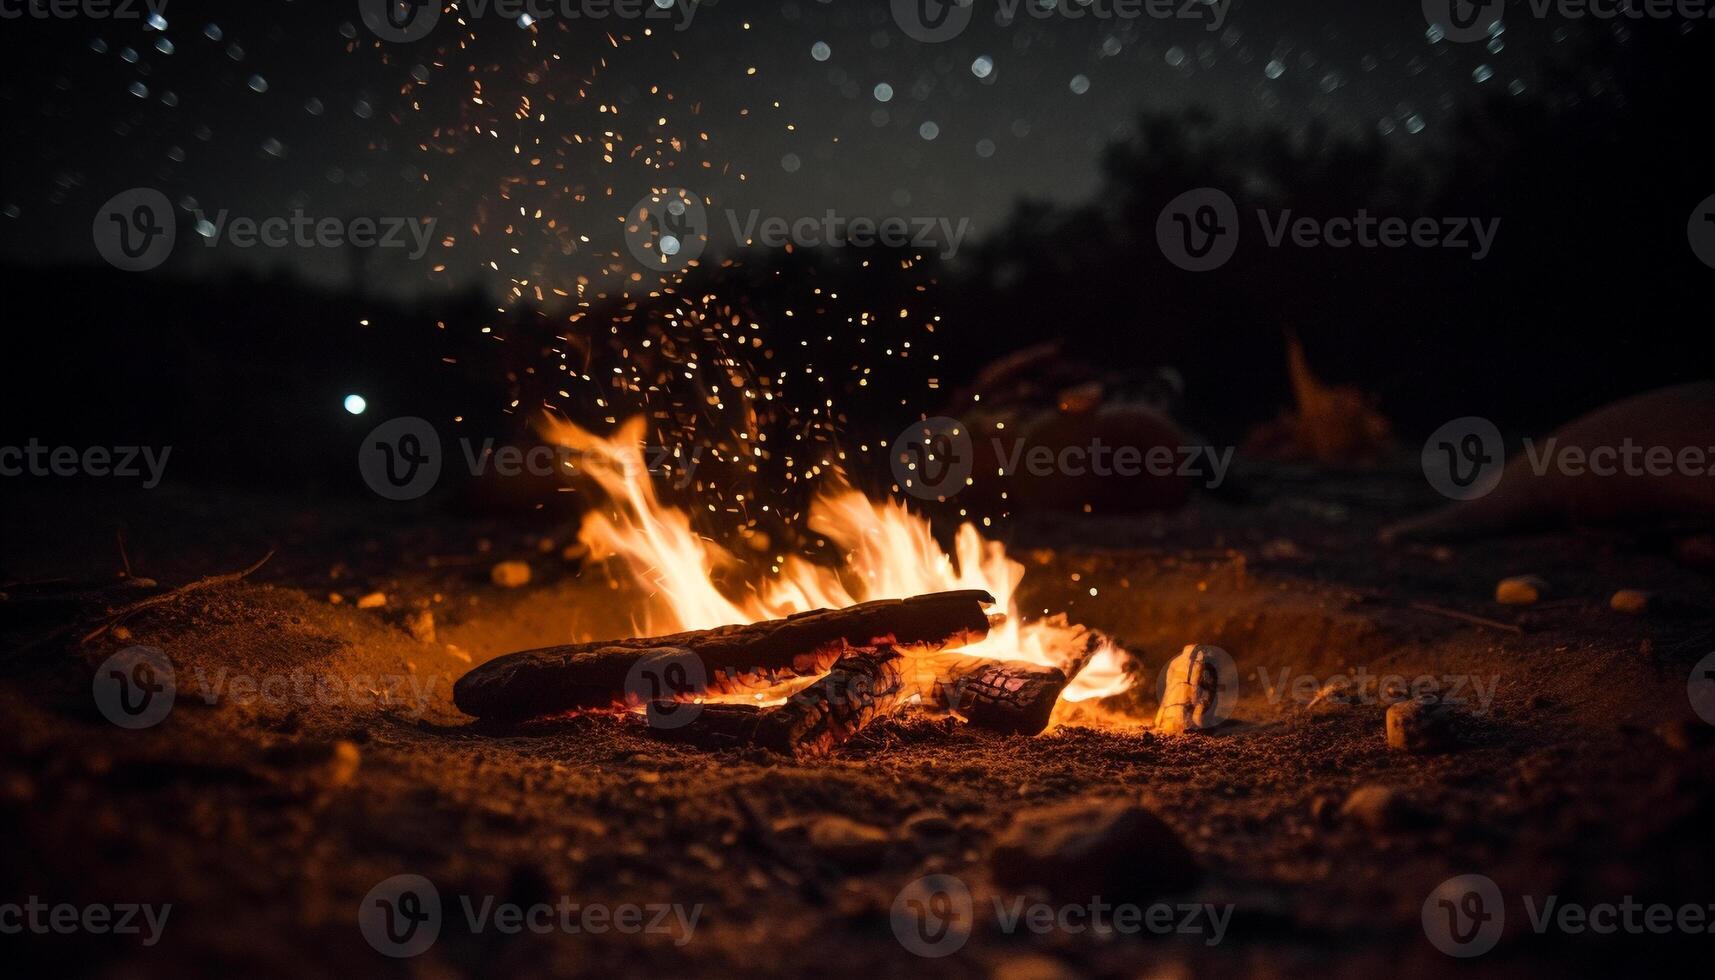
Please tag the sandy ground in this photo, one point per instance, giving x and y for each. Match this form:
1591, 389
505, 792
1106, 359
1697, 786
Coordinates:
265, 817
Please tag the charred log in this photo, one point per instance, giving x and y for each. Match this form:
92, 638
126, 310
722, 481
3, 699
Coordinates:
860, 688
724, 661
1003, 696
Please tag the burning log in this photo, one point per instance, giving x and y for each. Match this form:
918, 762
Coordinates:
1001, 695
860, 688
1008, 696
724, 661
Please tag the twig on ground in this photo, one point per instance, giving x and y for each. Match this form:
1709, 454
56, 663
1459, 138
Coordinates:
207, 582
1468, 618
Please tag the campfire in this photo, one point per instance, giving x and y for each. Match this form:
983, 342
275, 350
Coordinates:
811, 653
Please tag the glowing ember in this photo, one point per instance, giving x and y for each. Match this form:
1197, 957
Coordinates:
888, 553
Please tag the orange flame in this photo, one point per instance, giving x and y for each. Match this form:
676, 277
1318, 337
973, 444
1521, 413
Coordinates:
888, 553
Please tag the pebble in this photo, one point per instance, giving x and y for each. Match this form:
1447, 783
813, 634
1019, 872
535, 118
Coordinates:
421, 626
1684, 735
848, 843
1376, 807
510, 574
1520, 590
1633, 601
1421, 724
1075, 851
374, 600
928, 823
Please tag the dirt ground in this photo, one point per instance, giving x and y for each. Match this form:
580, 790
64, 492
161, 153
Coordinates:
265, 817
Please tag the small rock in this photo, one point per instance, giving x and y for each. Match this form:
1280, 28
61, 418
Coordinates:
1112, 848
1632, 601
848, 843
342, 766
1377, 807
1698, 551
374, 600
334, 598
1683, 735
1421, 724
510, 574
928, 823
421, 626
1520, 590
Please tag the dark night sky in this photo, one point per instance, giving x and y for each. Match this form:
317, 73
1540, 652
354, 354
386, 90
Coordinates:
269, 105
